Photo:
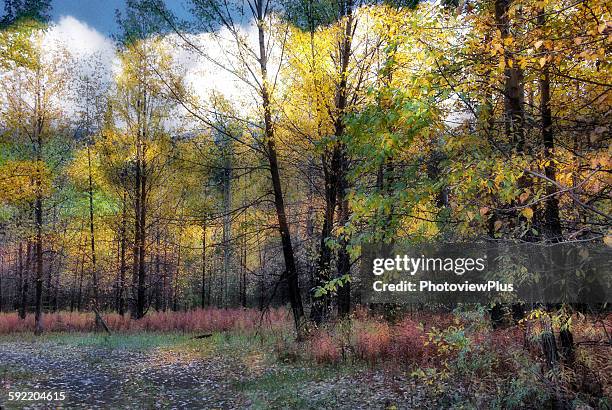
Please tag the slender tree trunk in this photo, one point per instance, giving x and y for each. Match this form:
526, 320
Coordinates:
137, 241
23, 280
92, 237
1, 277
142, 275
157, 271
38, 328
82, 273
139, 271
243, 284
175, 292
290, 274
165, 279
122, 261
25, 290
227, 222
203, 290
57, 282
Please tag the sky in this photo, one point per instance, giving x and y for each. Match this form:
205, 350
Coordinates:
85, 29
98, 14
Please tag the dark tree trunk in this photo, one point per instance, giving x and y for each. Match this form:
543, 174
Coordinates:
343, 263
203, 290
1, 277
323, 273
157, 285
23, 279
92, 237
38, 210
122, 261
567, 345
552, 223
140, 184
290, 274
513, 84
82, 272
142, 275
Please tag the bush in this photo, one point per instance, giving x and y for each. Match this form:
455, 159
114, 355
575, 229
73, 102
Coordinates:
324, 349
373, 342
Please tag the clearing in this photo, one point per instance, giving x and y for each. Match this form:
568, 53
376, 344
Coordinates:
169, 370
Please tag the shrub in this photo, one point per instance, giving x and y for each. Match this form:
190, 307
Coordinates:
324, 348
373, 342
409, 345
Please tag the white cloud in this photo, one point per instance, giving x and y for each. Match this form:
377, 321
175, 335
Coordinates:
79, 38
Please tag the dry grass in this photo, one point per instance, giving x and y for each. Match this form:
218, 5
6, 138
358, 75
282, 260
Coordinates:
194, 321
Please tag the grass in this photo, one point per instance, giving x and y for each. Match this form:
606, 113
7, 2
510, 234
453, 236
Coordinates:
141, 341
287, 386
15, 374
271, 370
271, 383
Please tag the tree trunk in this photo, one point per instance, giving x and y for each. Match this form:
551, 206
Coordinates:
343, 263
122, 261
203, 290
38, 328
323, 273
227, 222
139, 271
80, 293
23, 280
513, 84
290, 274
552, 223
92, 237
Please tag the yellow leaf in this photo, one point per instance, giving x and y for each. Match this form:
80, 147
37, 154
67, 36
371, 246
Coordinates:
601, 28
527, 213
542, 61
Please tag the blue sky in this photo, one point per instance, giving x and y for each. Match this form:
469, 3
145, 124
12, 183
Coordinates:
99, 14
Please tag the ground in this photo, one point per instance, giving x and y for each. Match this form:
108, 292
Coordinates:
178, 371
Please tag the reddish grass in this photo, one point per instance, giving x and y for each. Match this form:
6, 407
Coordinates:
373, 342
200, 320
409, 343
324, 349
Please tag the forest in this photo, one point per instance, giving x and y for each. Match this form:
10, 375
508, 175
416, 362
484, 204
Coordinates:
206, 180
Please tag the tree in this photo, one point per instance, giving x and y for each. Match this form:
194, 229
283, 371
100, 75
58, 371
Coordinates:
34, 125
252, 62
